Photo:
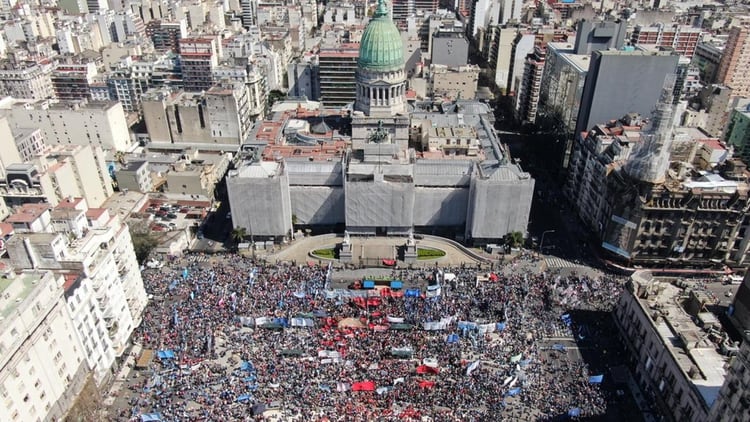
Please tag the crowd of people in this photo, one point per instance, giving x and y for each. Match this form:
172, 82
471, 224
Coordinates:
488, 360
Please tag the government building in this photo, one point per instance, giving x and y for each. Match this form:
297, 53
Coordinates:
385, 165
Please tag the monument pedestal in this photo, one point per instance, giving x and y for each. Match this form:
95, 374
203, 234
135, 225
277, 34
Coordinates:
345, 254
410, 252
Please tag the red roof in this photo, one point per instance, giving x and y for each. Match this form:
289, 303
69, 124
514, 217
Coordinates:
95, 213
70, 279
69, 203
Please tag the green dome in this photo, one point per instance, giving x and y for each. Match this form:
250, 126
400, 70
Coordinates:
381, 48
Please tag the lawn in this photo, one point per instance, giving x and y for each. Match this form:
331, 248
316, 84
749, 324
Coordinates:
328, 253
424, 253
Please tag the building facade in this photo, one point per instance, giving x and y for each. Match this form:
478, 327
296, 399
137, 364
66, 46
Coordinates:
641, 73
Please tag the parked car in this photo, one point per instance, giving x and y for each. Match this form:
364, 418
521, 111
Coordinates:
171, 216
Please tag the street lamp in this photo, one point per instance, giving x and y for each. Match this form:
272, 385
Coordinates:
541, 244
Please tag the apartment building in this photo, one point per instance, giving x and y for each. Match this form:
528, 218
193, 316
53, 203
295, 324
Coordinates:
101, 252
43, 364
735, 61
682, 39
59, 173
26, 79
199, 57
100, 124
336, 69
71, 81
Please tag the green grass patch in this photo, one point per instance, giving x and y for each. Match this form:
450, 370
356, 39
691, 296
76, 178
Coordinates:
328, 253
424, 253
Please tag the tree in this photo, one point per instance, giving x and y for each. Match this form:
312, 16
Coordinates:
514, 239
143, 243
239, 234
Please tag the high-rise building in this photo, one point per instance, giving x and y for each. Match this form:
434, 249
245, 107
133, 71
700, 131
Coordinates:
682, 39
402, 9
599, 35
166, 36
735, 62
336, 70
199, 57
71, 81
528, 93
562, 87
621, 82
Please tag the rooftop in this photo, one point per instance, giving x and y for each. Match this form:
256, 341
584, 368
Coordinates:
687, 342
14, 291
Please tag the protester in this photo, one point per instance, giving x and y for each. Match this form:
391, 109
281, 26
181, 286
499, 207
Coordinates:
479, 360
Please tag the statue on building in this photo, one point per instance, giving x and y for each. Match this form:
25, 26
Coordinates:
347, 240
379, 135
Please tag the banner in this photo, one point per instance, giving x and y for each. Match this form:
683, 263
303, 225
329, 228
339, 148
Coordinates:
363, 386
302, 322
394, 320
474, 365
596, 379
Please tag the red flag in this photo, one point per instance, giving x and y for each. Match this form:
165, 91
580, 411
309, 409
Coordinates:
426, 384
424, 369
363, 386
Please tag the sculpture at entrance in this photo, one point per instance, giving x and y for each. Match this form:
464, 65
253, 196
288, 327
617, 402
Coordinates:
346, 237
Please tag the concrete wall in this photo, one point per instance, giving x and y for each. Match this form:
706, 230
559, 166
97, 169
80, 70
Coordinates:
620, 82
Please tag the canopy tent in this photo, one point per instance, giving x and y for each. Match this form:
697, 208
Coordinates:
350, 323
389, 262
291, 352
368, 284
165, 354
247, 366
149, 417
397, 284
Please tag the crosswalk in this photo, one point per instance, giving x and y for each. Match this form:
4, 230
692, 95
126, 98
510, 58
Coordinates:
558, 331
554, 262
